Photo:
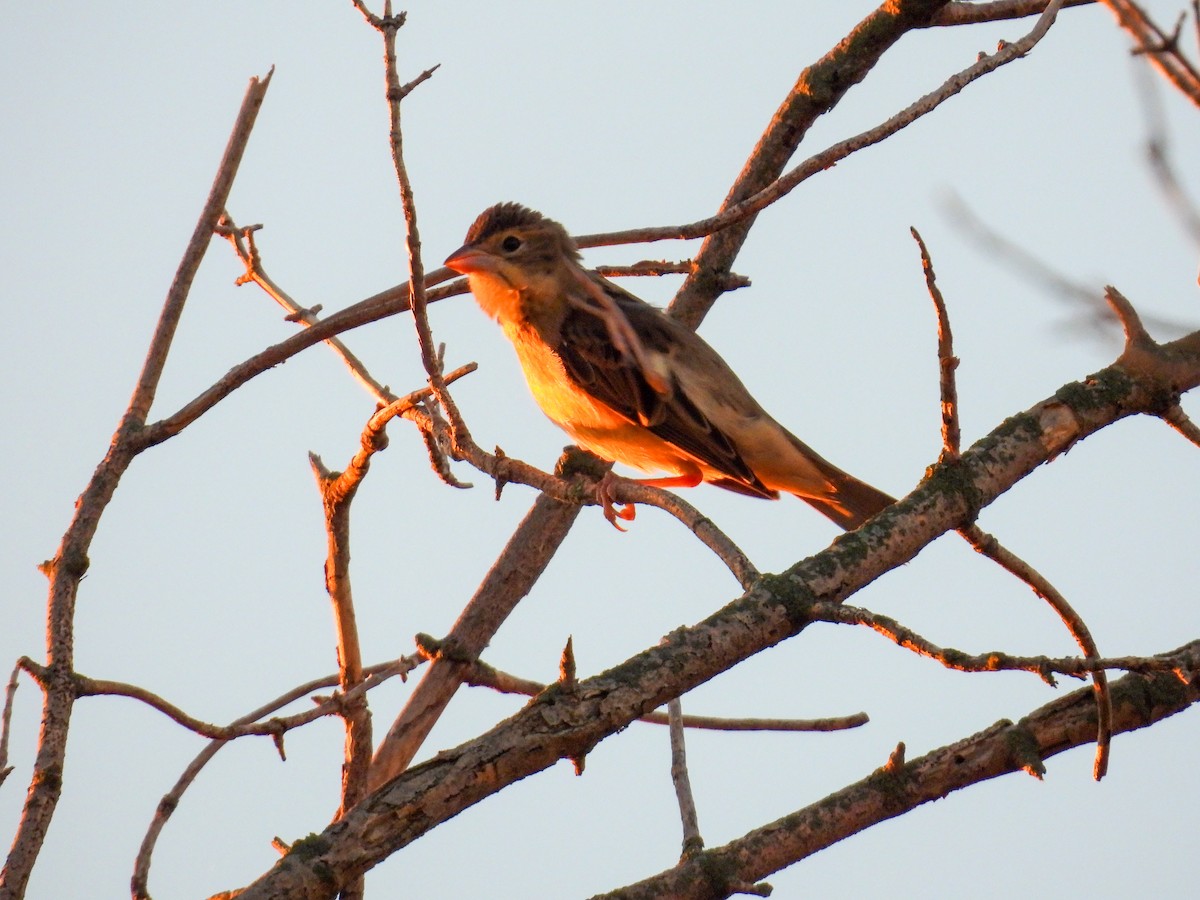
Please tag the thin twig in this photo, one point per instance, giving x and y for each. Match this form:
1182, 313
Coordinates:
480, 674
1178, 419
388, 26
947, 361
1045, 667
10, 695
693, 843
1040, 585
246, 247
86, 686
376, 675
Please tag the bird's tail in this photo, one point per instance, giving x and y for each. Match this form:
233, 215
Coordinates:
853, 501
853, 504
782, 462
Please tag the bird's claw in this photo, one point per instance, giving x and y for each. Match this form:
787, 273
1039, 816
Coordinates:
613, 511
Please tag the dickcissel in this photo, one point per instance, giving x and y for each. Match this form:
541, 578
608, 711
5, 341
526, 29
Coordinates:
633, 385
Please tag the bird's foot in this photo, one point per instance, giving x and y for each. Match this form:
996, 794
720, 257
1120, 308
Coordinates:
613, 511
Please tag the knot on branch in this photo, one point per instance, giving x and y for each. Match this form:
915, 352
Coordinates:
1024, 750
447, 649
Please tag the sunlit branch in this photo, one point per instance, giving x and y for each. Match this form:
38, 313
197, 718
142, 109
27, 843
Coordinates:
947, 361
10, 694
244, 244
737, 212
1162, 50
70, 563
968, 13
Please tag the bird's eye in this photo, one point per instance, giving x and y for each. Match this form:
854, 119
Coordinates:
510, 244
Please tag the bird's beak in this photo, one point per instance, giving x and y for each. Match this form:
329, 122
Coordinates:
466, 260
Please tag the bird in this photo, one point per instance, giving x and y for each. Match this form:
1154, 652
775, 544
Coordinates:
633, 385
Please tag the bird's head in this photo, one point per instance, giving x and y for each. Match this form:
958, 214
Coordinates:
511, 248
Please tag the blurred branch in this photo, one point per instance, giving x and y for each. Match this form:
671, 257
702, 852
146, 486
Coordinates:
1162, 50
1158, 155
1085, 300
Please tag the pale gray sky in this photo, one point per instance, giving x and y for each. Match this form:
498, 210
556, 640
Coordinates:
206, 582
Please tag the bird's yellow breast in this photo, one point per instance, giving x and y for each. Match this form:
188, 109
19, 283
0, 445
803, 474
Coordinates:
568, 406
590, 423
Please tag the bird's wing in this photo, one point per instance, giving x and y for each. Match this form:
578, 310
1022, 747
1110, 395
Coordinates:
599, 368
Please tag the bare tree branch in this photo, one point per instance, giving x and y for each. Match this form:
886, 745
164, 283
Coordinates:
1044, 667
558, 725
968, 13
376, 675
70, 563
693, 843
480, 674
1163, 52
519, 565
1139, 701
